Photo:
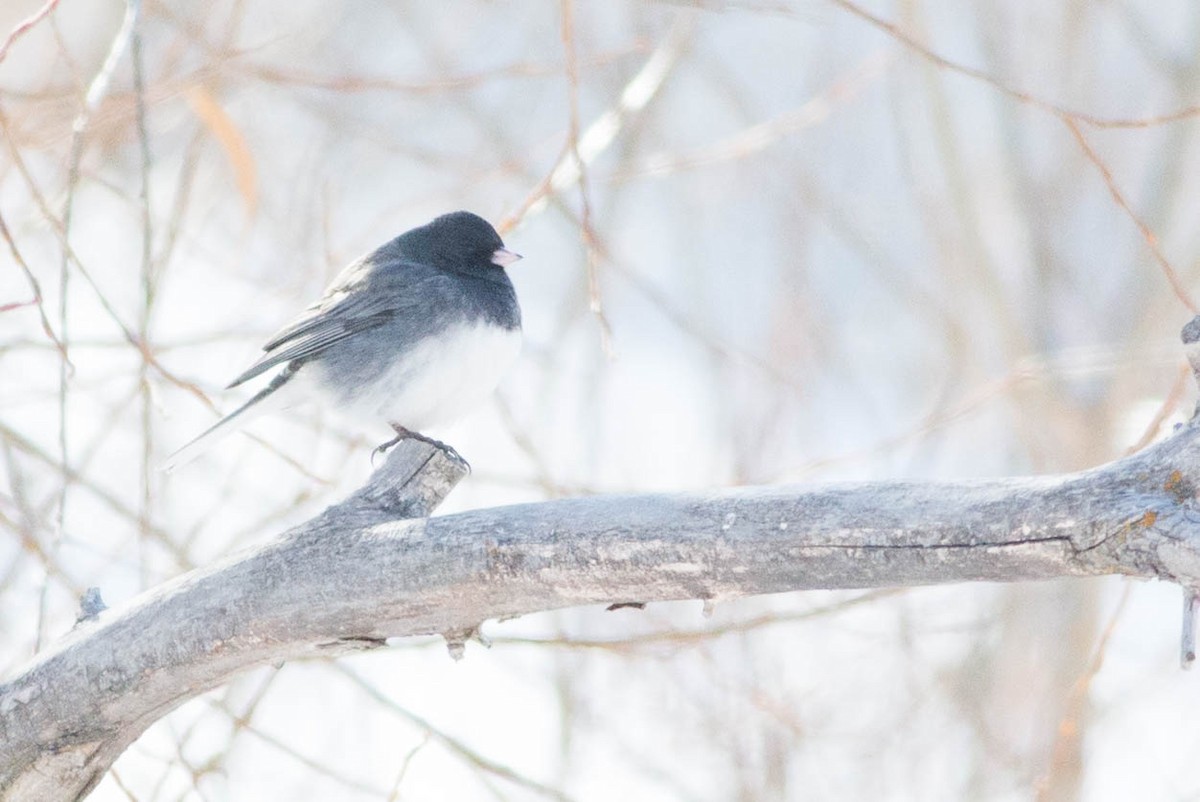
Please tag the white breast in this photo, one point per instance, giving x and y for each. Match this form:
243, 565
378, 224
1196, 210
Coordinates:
439, 380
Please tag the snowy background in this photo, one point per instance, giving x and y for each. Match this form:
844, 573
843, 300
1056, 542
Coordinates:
810, 241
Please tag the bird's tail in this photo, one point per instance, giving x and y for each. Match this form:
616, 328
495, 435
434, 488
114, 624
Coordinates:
268, 399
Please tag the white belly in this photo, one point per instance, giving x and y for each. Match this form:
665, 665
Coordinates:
438, 381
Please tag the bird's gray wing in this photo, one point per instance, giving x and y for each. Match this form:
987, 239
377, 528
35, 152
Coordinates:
357, 301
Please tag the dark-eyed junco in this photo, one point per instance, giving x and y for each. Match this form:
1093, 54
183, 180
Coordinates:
414, 334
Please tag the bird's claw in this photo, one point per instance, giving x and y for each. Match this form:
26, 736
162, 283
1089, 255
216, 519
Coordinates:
404, 434
382, 448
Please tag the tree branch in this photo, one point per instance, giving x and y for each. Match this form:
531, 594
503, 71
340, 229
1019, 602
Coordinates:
70, 714
371, 568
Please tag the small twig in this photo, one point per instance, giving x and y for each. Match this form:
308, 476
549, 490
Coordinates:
1069, 726
74, 474
24, 26
1168, 406
1187, 652
96, 92
148, 467
603, 131
894, 30
121, 786
1151, 238
59, 229
37, 291
586, 231
352, 783
404, 764
451, 743
762, 135
684, 637
439, 84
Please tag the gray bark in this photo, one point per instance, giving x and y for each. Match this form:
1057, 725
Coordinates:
373, 567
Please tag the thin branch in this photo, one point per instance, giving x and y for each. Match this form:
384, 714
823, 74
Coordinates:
25, 25
316, 766
600, 134
1165, 410
38, 301
58, 227
109, 499
677, 637
432, 85
1149, 236
453, 744
1068, 730
95, 94
762, 135
394, 796
586, 231
896, 32
1187, 641
149, 468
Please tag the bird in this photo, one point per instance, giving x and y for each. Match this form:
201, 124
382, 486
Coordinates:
415, 333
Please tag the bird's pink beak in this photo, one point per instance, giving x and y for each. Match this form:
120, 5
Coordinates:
504, 257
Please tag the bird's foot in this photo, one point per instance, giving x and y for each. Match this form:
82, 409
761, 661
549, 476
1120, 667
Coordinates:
382, 448
404, 434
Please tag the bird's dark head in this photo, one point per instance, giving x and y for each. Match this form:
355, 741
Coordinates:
459, 241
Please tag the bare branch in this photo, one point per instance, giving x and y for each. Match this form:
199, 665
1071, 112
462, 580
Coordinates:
25, 25
1020, 95
586, 231
1148, 235
603, 131
37, 290
364, 571
410, 484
